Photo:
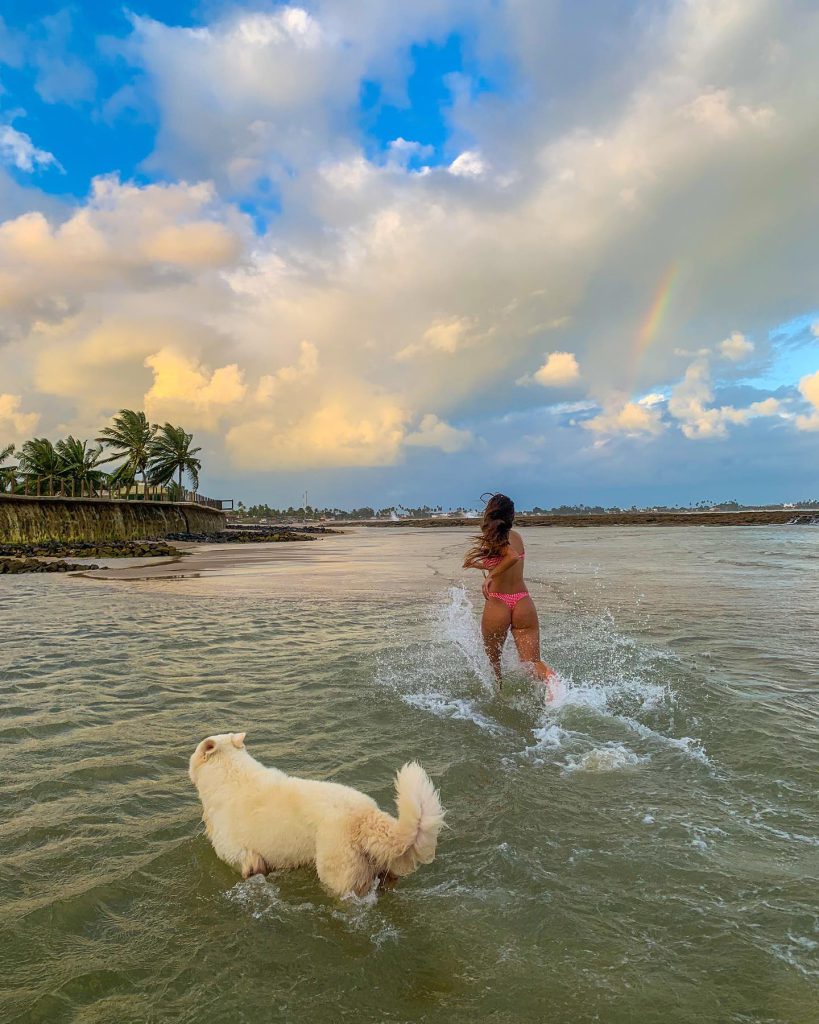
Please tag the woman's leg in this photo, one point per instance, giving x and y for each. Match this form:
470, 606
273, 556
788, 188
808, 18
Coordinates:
494, 627
526, 634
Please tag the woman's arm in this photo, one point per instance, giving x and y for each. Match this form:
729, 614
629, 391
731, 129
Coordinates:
505, 563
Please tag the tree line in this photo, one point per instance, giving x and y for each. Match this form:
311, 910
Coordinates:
159, 455
264, 511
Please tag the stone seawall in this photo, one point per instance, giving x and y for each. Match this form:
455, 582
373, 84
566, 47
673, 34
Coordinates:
25, 520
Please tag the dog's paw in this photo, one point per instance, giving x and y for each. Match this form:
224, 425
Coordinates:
253, 864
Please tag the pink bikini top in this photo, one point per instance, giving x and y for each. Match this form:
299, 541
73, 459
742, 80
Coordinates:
494, 560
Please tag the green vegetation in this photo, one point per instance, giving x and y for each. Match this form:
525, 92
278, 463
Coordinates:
171, 454
309, 513
264, 513
130, 438
74, 467
6, 472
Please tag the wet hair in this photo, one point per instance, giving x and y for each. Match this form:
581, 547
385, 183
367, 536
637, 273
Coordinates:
498, 517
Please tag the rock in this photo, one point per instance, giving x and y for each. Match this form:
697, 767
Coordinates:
281, 535
91, 549
17, 566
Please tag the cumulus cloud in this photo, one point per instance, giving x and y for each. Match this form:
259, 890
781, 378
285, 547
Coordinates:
126, 240
558, 371
717, 111
15, 424
17, 149
185, 391
736, 347
698, 419
468, 164
378, 297
435, 433
343, 430
630, 418
809, 386
302, 371
445, 335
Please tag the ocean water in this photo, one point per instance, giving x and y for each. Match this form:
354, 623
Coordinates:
646, 850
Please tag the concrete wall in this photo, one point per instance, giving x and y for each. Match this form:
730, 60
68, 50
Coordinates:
24, 520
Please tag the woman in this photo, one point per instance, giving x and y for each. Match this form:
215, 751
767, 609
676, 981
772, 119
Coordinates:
498, 551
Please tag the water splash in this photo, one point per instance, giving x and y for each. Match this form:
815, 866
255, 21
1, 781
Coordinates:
457, 708
609, 758
609, 688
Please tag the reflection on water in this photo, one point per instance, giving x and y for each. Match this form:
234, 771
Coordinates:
645, 851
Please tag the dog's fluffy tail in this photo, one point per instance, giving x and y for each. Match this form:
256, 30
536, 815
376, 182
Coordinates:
399, 845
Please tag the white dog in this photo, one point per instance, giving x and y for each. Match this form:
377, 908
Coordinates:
259, 819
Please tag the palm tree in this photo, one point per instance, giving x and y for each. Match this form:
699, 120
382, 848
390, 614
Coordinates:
130, 438
79, 462
6, 472
171, 453
39, 460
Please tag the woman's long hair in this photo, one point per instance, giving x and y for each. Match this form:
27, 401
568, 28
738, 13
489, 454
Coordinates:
498, 517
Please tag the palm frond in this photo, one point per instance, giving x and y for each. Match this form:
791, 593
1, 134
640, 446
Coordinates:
129, 437
172, 455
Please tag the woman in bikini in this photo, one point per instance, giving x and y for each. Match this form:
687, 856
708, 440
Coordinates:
498, 551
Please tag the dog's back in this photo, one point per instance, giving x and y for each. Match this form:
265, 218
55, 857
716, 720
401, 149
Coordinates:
259, 818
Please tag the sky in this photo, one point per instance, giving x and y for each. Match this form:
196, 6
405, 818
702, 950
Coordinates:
409, 253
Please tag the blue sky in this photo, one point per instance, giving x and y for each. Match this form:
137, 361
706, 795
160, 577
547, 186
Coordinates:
567, 253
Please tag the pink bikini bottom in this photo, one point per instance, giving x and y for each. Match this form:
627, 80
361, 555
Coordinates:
510, 600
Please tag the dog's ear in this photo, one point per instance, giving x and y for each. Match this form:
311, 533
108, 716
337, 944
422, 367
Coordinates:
238, 739
208, 748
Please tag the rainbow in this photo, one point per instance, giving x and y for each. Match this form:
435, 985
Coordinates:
656, 312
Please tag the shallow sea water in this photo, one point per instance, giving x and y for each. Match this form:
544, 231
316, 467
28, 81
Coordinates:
646, 851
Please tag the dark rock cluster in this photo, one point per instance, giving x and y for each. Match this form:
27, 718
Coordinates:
92, 549
235, 527
14, 566
243, 536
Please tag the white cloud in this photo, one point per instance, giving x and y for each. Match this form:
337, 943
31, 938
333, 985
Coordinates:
629, 418
690, 405
304, 370
716, 111
343, 430
558, 371
652, 399
184, 391
809, 386
736, 347
17, 149
468, 164
15, 425
379, 296
445, 335
435, 433
126, 240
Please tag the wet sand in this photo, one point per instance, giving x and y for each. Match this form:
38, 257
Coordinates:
199, 560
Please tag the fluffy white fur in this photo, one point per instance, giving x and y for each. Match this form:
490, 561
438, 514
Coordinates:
260, 819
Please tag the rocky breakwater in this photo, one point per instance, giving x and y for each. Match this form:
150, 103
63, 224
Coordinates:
25, 520
92, 549
279, 536
50, 556
15, 566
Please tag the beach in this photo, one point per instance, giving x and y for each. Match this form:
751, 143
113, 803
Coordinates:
602, 857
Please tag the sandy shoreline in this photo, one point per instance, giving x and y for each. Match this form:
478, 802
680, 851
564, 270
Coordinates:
213, 559
199, 559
